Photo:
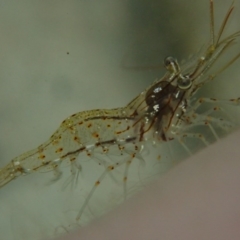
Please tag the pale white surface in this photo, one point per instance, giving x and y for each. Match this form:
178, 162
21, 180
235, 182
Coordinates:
41, 84
199, 199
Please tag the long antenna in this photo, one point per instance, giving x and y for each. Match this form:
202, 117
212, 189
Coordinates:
224, 22
212, 23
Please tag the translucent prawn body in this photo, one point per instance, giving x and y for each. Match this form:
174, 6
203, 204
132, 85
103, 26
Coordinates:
165, 111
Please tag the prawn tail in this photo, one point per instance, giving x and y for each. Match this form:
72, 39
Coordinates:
7, 174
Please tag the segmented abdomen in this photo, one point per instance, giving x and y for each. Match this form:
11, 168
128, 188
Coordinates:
81, 132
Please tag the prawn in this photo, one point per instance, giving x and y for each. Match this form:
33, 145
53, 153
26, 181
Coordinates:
165, 111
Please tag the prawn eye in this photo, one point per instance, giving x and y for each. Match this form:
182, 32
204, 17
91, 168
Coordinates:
168, 61
171, 64
184, 82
